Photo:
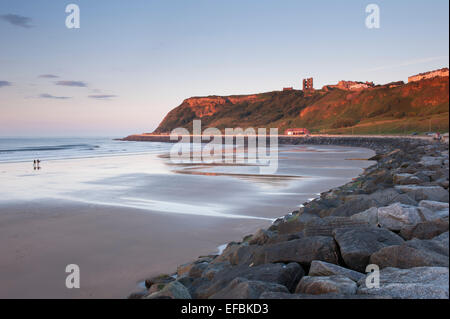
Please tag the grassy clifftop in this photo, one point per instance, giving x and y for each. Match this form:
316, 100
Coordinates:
389, 109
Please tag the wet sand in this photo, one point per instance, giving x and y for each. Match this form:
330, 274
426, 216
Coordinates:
114, 247
122, 219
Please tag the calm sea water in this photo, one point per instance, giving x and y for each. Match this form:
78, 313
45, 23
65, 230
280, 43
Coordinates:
29, 149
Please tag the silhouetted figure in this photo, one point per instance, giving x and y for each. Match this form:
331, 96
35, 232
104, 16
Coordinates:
34, 164
38, 164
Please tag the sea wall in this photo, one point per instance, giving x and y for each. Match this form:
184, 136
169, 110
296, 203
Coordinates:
376, 143
394, 217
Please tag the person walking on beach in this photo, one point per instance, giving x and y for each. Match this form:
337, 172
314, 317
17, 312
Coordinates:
34, 164
38, 164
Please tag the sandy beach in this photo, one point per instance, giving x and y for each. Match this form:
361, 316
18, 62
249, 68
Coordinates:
125, 218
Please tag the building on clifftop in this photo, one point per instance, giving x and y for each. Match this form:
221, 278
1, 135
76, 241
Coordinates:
308, 84
428, 75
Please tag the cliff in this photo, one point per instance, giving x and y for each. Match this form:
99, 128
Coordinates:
402, 108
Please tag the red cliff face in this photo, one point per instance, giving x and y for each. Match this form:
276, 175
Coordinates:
207, 106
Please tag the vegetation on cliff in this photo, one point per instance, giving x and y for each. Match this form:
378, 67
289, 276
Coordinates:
387, 109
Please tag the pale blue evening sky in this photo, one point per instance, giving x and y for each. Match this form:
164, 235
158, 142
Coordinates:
133, 61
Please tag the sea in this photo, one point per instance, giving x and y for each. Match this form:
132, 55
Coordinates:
22, 149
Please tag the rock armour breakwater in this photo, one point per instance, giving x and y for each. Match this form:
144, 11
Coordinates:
394, 215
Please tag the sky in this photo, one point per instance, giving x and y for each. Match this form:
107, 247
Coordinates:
131, 62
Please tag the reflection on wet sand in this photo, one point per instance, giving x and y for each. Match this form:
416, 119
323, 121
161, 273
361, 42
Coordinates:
124, 218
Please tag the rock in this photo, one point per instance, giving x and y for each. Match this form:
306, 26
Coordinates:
442, 239
358, 244
425, 230
173, 290
294, 223
405, 199
439, 208
197, 285
325, 226
433, 175
285, 237
382, 176
414, 253
155, 288
356, 204
185, 281
198, 269
385, 196
406, 179
321, 268
302, 251
244, 254
227, 253
434, 206
419, 193
414, 283
284, 296
323, 285
214, 268
161, 279
291, 225
261, 237
241, 288
286, 275
184, 268
430, 161
138, 295
369, 216
397, 216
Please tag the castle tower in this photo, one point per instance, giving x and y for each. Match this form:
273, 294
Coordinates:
308, 84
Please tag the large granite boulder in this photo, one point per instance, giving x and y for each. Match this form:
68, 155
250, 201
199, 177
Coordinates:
321, 268
197, 270
440, 208
431, 161
358, 244
302, 251
407, 179
397, 216
419, 193
385, 196
285, 237
414, 253
213, 268
242, 288
244, 254
353, 205
414, 283
227, 253
425, 230
369, 216
286, 275
286, 296
324, 285
261, 237
325, 226
294, 223
173, 290
161, 280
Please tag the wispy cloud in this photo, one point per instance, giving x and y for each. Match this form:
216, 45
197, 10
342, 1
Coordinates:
17, 20
408, 63
49, 96
72, 83
5, 83
48, 76
102, 96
